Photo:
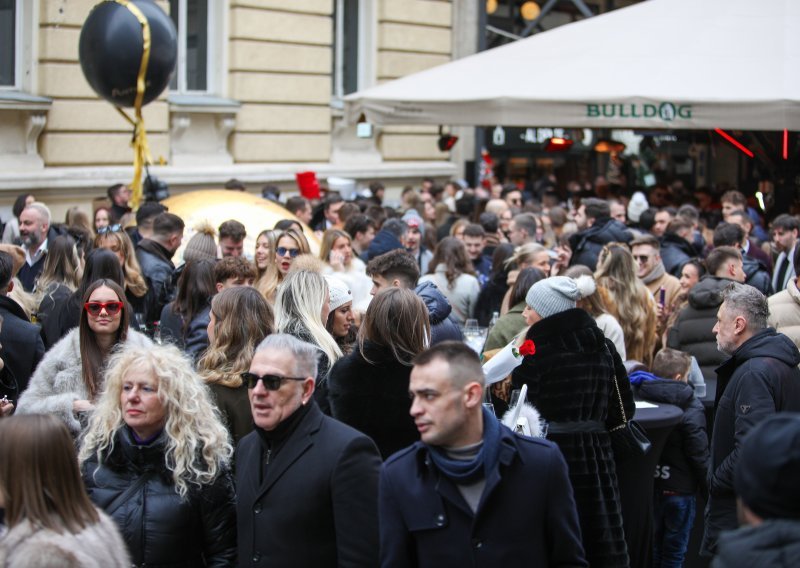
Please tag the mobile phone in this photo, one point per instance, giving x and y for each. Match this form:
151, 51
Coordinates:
662, 295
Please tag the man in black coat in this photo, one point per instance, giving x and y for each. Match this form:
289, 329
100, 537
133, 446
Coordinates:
692, 331
755, 272
472, 493
596, 229
155, 258
21, 345
307, 485
759, 379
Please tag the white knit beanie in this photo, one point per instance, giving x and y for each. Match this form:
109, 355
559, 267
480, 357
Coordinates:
558, 294
340, 294
636, 206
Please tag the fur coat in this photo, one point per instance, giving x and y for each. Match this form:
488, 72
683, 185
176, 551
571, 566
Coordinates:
570, 380
58, 380
97, 546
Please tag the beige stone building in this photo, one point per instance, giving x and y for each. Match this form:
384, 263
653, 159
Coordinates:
257, 96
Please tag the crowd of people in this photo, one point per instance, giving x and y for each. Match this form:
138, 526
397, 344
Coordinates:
280, 407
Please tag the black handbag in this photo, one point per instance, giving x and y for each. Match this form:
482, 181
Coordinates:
628, 440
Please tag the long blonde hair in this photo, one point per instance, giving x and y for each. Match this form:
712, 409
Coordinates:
628, 300
134, 281
197, 448
298, 310
268, 284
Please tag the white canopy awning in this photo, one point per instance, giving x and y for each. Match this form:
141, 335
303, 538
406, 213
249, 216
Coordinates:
660, 64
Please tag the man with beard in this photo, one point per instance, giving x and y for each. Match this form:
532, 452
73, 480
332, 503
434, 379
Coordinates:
759, 379
34, 225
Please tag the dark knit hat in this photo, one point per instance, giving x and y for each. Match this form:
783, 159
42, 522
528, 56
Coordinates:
202, 245
768, 472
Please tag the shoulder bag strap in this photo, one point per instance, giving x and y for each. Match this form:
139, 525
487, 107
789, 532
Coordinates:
127, 494
616, 388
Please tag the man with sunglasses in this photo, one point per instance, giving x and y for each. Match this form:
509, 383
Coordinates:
307, 484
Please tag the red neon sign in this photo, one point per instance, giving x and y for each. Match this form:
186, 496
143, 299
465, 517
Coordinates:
744, 149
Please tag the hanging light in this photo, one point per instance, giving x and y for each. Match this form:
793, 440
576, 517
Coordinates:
491, 6
557, 144
607, 146
530, 10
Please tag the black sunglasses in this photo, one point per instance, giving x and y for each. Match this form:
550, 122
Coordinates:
271, 382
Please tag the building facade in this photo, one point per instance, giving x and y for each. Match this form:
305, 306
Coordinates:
257, 96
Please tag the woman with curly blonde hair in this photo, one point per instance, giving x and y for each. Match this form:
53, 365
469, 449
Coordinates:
628, 300
289, 245
240, 319
117, 241
156, 458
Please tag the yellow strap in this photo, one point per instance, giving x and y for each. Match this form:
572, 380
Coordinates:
141, 151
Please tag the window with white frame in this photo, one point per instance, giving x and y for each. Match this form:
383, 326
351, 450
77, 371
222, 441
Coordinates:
200, 25
353, 58
8, 43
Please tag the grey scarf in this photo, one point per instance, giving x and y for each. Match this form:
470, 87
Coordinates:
657, 272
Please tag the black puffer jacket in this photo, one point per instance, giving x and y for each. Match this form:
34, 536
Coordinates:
692, 332
759, 379
372, 397
159, 528
757, 275
587, 244
443, 327
157, 269
682, 466
774, 543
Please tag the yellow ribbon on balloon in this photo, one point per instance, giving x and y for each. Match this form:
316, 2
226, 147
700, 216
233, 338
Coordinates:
141, 151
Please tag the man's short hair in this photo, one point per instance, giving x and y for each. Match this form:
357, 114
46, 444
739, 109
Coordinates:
648, 218
234, 267
232, 229
358, 224
165, 224
649, 240
6, 269
304, 355
679, 224
296, 203
596, 208
508, 188
689, 212
474, 230
748, 302
526, 221
735, 197
348, 210
741, 214
42, 209
465, 367
489, 221
147, 212
718, 257
465, 207
786, 222
114, 190
396, 227
670, 362
728, 235
397, 264
330, 199
558, 216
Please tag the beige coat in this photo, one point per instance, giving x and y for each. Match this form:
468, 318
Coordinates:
97, 546
784, 312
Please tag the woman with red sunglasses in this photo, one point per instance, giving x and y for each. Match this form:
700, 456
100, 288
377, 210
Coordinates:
69, 378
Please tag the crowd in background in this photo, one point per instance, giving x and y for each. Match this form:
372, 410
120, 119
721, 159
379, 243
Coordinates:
156, 371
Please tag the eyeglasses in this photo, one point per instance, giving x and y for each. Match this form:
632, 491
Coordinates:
109, 229
270, 382
111, 308
642, 258
283, 251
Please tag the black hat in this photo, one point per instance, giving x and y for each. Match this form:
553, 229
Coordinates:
768, 473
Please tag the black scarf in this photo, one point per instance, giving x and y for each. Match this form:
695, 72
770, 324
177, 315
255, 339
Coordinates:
273, 440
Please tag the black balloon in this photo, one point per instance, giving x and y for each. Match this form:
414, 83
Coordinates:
111, 46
